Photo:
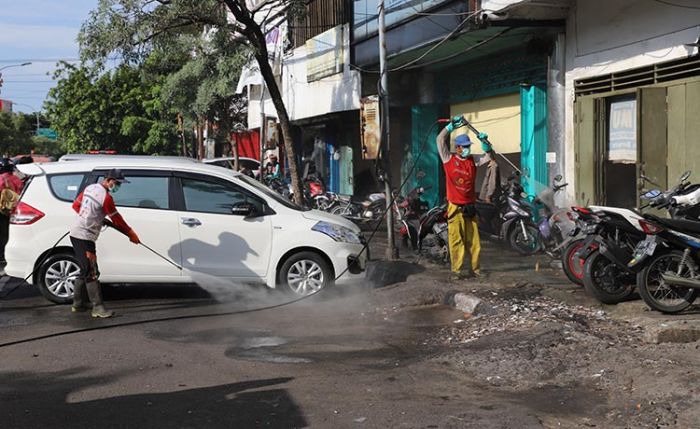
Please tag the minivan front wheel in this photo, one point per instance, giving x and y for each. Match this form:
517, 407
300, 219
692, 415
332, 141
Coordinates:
56, 277
305, 273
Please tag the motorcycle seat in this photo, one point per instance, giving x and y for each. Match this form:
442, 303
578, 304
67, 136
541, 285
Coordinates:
680, 224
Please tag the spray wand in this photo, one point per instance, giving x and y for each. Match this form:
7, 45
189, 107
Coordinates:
466, 123
168, 260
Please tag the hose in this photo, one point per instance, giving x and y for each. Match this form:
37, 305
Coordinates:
38, 266
235, 312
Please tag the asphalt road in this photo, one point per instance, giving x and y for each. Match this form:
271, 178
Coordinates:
330, 361
382, 354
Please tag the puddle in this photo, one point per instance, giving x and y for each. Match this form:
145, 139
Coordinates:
257, 349
426, 317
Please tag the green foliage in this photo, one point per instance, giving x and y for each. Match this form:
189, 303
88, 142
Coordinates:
117, 110
17, 136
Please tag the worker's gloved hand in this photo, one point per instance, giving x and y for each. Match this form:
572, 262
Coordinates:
485, 145
107, 222
457, 121
133, 237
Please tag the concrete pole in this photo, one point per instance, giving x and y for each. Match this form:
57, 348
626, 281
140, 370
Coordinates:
391, 250
263, 129
556, 106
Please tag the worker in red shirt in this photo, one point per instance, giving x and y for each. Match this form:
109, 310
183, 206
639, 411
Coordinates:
92, 206
460, 177
14, 185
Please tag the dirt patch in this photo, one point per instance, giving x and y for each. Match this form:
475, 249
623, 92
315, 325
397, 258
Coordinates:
541, 351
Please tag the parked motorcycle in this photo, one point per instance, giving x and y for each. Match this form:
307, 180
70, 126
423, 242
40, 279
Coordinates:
585, 225
510, 218
669, 279
408, 211
433, 235
553, 224
610, 246
370, 209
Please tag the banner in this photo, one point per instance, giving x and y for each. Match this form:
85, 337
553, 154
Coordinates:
325, 54
370, 127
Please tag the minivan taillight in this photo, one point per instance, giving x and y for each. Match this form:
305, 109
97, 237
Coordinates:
24, 214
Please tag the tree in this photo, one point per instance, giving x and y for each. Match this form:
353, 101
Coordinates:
116, 110
132, 28
205, 86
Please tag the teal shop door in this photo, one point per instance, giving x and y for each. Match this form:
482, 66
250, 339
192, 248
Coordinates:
346, 177
428, 169
533, 138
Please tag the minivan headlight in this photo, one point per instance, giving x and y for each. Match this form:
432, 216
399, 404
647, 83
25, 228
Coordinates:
337, 232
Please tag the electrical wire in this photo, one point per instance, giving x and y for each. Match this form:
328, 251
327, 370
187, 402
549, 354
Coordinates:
668, 3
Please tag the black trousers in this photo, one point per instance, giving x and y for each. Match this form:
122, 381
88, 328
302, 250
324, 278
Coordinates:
4, 234
86, 254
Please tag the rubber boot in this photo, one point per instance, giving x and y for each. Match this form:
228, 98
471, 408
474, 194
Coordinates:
98, 309
80, 298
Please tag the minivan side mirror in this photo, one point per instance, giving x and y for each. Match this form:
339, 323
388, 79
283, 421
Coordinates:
245, 210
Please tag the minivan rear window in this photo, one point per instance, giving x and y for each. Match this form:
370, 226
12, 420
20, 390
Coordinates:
65, 187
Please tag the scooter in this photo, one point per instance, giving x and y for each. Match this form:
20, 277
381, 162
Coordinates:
433, 235
408, 214
610, 246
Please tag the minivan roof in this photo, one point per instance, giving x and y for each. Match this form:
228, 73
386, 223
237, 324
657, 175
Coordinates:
92, 162
86, 156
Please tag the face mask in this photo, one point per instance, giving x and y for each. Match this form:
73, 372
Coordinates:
115, 188
465, 152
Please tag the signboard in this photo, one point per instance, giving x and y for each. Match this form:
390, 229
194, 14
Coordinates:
370, 127
622, 131
272, 135
325, 54
5, 106
49, 133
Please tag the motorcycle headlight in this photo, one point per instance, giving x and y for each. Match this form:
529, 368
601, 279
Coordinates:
337, 232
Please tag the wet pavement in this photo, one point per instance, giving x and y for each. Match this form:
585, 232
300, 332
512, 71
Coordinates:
384, 353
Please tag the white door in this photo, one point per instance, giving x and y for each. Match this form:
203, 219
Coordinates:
144, 204
215, 239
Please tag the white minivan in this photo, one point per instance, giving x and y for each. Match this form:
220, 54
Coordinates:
209, 220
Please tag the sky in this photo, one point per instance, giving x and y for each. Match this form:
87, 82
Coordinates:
40, 31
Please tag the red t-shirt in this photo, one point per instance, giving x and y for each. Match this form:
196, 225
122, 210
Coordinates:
13, 182
461, 178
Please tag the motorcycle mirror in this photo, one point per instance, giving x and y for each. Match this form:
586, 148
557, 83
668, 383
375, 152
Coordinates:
558, 178
684, 176
650, 195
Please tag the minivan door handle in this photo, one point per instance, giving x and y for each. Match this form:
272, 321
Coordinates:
190, 221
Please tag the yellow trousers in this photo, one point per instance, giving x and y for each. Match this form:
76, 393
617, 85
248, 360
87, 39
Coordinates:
463, 234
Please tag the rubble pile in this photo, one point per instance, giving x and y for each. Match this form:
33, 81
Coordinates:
522, 313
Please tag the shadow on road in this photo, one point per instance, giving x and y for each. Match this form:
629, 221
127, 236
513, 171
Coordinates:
244, 404
386, 273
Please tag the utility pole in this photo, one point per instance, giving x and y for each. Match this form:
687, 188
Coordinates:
391, 250
263, 129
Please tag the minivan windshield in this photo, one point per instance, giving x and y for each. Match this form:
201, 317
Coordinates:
270, 193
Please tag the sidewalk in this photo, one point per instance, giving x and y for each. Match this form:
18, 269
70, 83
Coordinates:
427, 282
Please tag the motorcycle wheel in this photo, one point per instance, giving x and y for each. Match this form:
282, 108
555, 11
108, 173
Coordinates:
572, 264
342, 210
656, 293
604, 280
525, 245
322, 203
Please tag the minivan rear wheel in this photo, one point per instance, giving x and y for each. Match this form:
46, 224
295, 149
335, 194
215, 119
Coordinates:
305, 273
56, 277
